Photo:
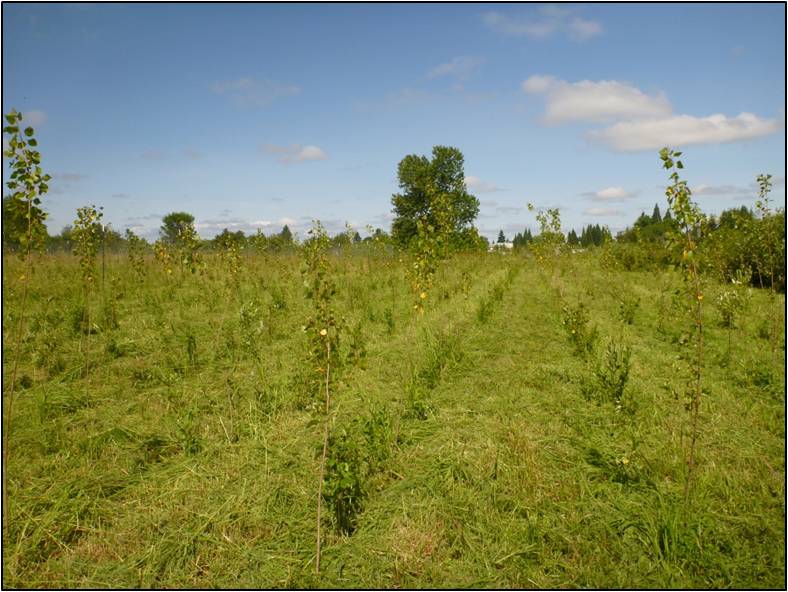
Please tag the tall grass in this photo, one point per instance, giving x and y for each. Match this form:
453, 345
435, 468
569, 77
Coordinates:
166, 474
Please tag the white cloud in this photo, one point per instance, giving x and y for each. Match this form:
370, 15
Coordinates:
517, 27
461, 68
213, 227
247, 92
704, 189
475, 184
610, 194
582, 29
683, 130
639, 121
34, 118
598, 102
311, 153
296, 153
602, 212
287, 221
553, 20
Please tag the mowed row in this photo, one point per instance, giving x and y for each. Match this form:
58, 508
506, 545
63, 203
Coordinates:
179, 469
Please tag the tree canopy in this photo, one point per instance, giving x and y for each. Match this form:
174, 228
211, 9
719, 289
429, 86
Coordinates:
422, 179
173, 225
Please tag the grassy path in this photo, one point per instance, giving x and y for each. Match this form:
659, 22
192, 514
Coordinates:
511, 478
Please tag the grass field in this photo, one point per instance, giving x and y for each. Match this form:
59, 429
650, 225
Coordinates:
188, 456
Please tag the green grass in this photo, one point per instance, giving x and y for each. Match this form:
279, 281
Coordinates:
190, 455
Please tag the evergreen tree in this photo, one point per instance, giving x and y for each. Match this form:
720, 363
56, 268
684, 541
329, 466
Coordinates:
656, 217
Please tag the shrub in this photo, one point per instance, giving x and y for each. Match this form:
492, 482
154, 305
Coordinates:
627, 308
581, 335
609, 378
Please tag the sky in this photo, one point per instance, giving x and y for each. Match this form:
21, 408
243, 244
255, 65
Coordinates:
252, 116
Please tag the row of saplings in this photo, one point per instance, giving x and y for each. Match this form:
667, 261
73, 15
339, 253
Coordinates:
348, 458
352, 454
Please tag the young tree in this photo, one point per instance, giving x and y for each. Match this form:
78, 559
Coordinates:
28, 184
420, 180
501, 237
690, 220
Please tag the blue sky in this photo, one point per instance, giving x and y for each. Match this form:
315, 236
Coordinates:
253, 116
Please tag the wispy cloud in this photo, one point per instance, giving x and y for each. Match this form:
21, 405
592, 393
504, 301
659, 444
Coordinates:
192, 154
154, 155
212, 227
406, 97
70, 177
145, 218
683, 130
603, 212
461, 68
609, 194
475, 184
296, 153
34, 118
581, 29
248, 92
595, 102
551, 20
704, 189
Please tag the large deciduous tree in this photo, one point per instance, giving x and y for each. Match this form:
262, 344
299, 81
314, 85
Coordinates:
173, 226
420, 180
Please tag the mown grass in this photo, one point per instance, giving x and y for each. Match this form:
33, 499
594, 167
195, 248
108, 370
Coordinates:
189, 456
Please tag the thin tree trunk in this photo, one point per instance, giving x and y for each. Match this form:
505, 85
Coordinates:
27, 271
697, 390
323, 459
7, 422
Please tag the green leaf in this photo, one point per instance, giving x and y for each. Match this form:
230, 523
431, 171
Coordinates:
29, 132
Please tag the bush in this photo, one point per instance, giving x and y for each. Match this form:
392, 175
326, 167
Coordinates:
581, 335
609, 378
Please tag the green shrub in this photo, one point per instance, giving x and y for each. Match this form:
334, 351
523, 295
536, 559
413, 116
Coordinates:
581, 335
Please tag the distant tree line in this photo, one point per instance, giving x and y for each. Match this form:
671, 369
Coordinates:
171, 228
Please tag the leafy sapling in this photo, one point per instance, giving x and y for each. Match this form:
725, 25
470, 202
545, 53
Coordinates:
548, 244
136, 254
28, 184
87, 236
689, 219
323, 337
771, 259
